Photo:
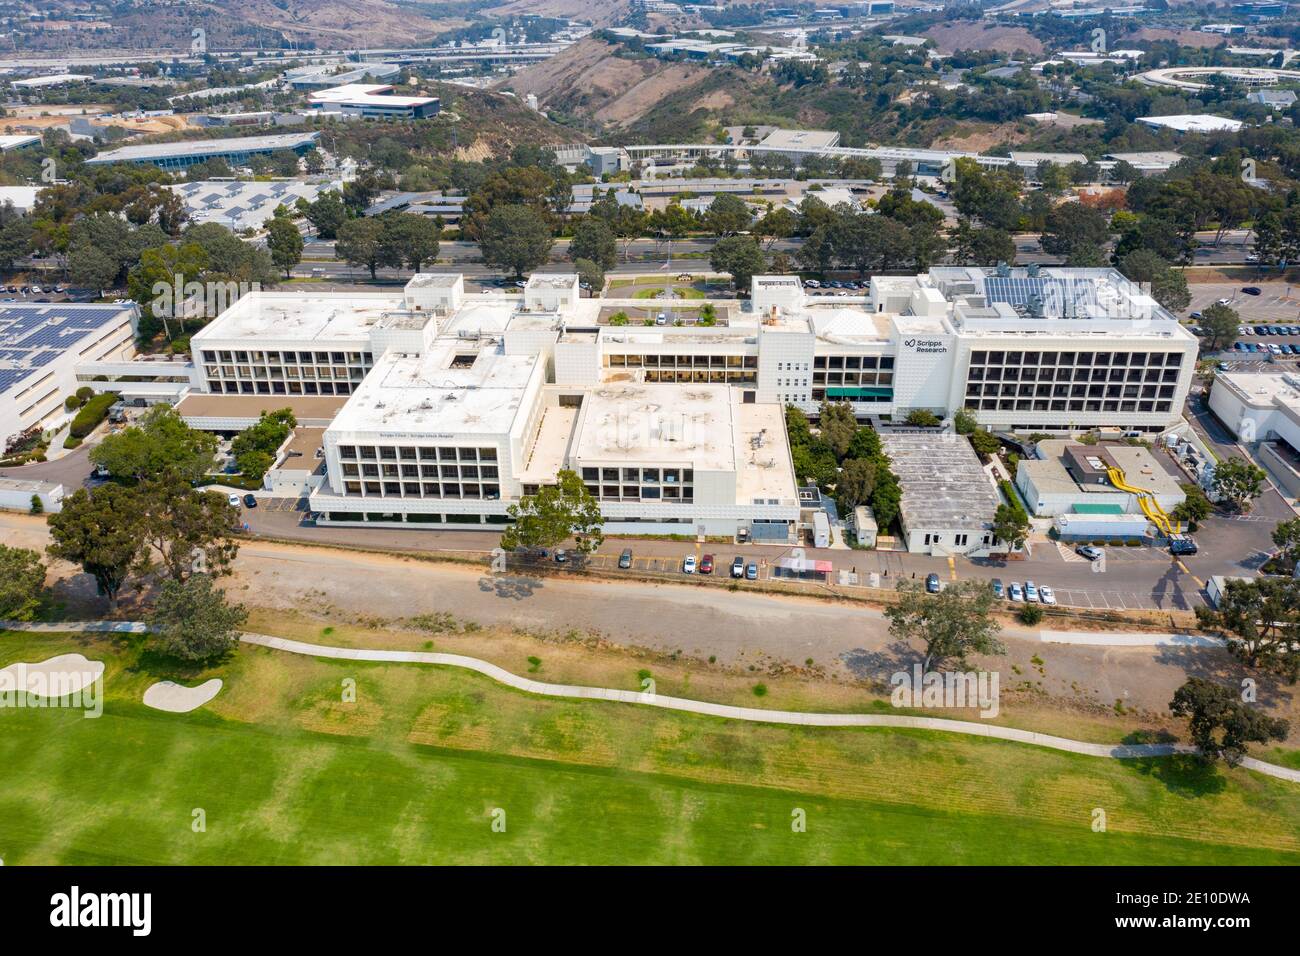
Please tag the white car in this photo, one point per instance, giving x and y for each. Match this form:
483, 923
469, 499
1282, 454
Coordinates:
1015, 591
234, 501
1046, 595
1031, 591
36, 290
1225, 302
688, 565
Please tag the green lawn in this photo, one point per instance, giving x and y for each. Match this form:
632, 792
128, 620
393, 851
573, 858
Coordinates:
412, 771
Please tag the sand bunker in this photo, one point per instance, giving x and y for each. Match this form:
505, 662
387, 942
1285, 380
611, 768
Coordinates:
179, 699
54, 678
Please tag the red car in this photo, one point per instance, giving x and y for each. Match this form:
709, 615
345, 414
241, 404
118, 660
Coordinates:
706, 564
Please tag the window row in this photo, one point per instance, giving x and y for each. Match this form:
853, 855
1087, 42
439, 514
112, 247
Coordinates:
654, 476
1073, 405
853, 378
303, 358
853, 361
385, 470
423, 489
635, 493
710, 376
1072, 391
1076, 358
415, 453
276, 372
681, 361
246, 387
1017, 374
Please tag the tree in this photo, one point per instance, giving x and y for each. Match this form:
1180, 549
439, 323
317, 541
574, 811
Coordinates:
22, 579
360, 242
1286, 535
589, 273
101, 530
951, 624
516, 238
778, 223
856, 482
411, 239
1220, 324
727, 215
193, 620
964, 421
1260, 621
595, 242
254, 448
1195, 506
985, 443
327, 214
190, 530
556, 513
1238, 482
1168, 285
1010, 526
1221, 725
838, 426
922, 418
982, 245
1076, 232
739, 257
159, 442
285, 244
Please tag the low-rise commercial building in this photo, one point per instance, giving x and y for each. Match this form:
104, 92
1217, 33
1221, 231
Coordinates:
181, 155
1067, 477
372, 101
949, 502
41, 346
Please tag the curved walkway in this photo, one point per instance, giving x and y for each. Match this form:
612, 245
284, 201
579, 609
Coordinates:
755, 714
726, 711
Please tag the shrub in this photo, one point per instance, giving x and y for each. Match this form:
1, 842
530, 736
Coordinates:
71, 403
37, 506
85, 394
71, 442
91, 414
1030, 614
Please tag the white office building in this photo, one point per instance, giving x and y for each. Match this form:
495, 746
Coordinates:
441, 406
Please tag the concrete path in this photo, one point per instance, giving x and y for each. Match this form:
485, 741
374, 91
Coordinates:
1137, 639
726, 711
755, 714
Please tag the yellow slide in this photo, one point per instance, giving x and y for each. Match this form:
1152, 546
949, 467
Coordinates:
1146, 501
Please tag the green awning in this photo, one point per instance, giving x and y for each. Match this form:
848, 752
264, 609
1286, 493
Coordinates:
1080, 509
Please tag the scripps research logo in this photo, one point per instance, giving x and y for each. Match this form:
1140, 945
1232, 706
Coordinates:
934, 346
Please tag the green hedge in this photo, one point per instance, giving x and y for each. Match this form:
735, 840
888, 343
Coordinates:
91, 414
71, 442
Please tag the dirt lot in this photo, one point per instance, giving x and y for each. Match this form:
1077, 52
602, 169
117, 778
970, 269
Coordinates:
952, 37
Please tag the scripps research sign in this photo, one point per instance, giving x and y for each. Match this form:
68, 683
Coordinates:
927, 346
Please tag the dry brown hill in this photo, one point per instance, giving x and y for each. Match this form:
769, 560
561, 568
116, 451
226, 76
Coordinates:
589, 81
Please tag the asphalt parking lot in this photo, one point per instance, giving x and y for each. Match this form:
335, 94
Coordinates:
1279, 301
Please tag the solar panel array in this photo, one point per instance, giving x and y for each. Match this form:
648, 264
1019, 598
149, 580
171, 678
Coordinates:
1015, 291
33, 335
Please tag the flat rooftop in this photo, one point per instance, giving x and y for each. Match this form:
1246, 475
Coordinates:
453, 389
298, 317
32, 335
243, 204
705, 427
203, 147
944, 485
800, 139
306, 408
1262, 389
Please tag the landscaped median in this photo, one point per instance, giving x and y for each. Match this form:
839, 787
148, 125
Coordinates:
306, 758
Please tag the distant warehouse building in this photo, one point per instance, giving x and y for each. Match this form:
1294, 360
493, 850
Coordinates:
236, 152
371, 101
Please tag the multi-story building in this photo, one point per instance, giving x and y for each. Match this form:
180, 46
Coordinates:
455, 404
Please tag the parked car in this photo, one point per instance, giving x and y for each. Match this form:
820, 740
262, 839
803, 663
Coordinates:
738, 567
1046, 595
250, 501
625, 559
1196, 316
688, 564
1251, 290
233, 500
1016, 593
932, 583
561, 556
998, 590
706, 564
1031, 591
751, 571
